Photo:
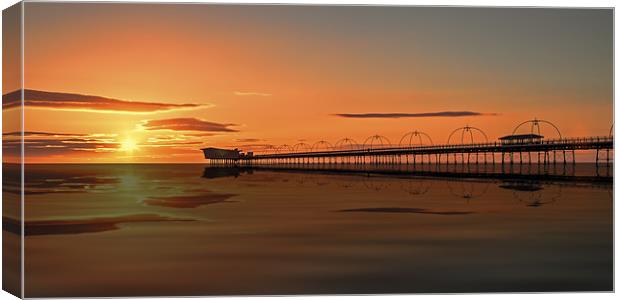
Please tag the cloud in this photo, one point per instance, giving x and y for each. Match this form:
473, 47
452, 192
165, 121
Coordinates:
152, 143
39, 133
52, 144
202, 134
415, 115
237, 93
47, 143
187, 124
248, 140
70, 101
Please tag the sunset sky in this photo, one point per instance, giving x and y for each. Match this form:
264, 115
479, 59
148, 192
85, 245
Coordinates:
156, 82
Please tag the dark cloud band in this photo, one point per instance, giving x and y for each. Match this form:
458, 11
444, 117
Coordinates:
56, 100
36, 145
187, 124
414, 115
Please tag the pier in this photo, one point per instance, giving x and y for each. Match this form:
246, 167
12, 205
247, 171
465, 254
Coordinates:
416, 147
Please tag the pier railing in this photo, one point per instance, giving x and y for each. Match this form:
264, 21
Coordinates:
576, 143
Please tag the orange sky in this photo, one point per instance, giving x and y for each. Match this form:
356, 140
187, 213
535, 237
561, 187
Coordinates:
233, 76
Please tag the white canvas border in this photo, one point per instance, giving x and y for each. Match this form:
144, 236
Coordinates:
509, 3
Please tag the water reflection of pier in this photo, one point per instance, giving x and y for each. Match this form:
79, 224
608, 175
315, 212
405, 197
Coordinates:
534, 187
467, 189
533, 193
566, 173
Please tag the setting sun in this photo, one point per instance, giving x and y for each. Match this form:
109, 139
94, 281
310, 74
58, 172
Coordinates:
128, 145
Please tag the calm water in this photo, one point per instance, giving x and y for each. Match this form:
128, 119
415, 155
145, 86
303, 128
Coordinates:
123, 230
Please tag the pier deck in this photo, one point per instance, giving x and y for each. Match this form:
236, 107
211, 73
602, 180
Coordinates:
546, 151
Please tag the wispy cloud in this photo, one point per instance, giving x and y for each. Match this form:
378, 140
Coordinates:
414, 115
248, 140
259, 94
42, 144
71, 101
48, 143
187, 124
40, 133
200, 134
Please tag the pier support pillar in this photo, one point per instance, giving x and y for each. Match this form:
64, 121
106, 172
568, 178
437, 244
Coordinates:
607, 158
597, 157
564, 156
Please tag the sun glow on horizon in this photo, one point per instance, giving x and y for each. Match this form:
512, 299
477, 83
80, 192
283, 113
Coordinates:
160, 91
128, 145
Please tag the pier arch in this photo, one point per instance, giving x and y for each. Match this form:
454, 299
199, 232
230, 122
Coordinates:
468, 132
376, 142
302, 147
346, 144
322, 146
535, 127
408, 140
